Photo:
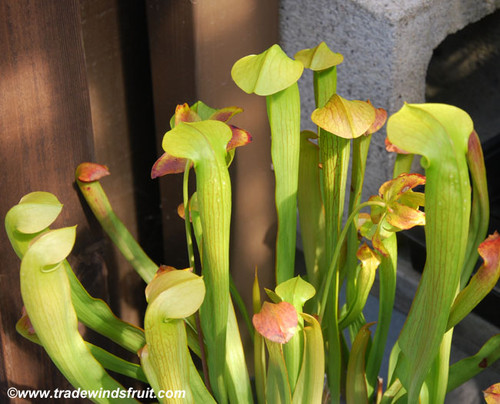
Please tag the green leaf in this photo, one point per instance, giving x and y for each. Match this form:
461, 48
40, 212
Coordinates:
387, 277
480, 209
366, 276
34, 213
467, 368
481, 283
295, 291
97, 315
309, 388
180, 291
319, 58
440, 134
278, 389
205, 143
356, 391
283, 110
310, 204
106, 359
237, 378
47, 297
172, 295
347, 119
267, 73
112, 225
259, 347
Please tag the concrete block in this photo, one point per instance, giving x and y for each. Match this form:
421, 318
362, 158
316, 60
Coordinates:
387, 45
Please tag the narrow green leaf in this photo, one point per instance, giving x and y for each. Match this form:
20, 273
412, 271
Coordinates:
440, 134
366, 276
467, 368
205, 143
310, 204
309, 388
356, 390
437, 378
481, 283
200, 392
112, 225
277, 388
259, 347
237, 378
387, 275
480, 209
240, 304
274, 75
283, 110
97, 315
295, 291
106, 359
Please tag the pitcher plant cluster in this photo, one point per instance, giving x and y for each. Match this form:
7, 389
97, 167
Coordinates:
301, 331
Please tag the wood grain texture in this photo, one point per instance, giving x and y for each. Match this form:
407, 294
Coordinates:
171, 43
45, 131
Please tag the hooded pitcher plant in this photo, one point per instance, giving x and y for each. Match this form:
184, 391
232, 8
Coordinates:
440, 133
204, 143
191, 343
274, 75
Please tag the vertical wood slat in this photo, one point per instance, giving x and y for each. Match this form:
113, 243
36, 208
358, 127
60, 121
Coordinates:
45, 131
118, 72
170, 26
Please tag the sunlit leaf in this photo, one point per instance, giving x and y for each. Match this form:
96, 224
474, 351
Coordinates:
344, 118
439, 133
295, 291
47, 297
309, 388
319, 58
267, 73
181, 291
380, 118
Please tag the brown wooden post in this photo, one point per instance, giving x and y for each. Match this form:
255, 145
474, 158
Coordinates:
45, 131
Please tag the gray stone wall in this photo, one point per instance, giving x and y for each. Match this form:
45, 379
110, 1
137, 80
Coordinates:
387, 46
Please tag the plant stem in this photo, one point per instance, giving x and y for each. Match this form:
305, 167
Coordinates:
187, 215
333, 263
